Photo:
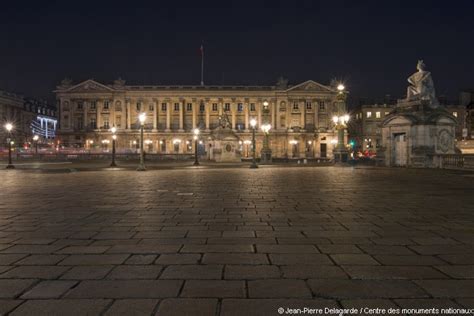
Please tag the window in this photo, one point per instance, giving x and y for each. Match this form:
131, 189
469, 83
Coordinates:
80, 105
322, 105
240, 107
163, 107
214, 107
369, 114
139, 106
202, 107
151, 107
106, 123
227, 107
387, 113
252, 107
118, 106
93, 105
295, 106
106, 104
189, 107
377, 114
455, 114
93, 123
79, 123
309, 106
176, 106
118, 121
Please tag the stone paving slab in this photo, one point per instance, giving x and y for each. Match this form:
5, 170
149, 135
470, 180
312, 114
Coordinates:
234, 241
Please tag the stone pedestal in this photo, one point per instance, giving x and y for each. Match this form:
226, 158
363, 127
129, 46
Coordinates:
266, 156
414, 133
224, 145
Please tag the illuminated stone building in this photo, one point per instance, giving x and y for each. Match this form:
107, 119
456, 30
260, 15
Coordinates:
29, 117
300, 116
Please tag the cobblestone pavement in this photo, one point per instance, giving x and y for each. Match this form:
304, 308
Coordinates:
234, 241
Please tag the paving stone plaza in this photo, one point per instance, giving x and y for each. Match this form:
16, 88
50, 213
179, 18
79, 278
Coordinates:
234, 241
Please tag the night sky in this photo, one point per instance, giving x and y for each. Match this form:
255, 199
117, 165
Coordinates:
372, 45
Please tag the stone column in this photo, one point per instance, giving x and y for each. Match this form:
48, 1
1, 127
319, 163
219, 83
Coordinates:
112, 113
129, 119
233, 114
259, 114
181, 116
273, 109
208, 115
97, 110
168, 116
85, 124
303, 114
220, 106
195, 109
155, 105
246, 114
277, 114
316, 117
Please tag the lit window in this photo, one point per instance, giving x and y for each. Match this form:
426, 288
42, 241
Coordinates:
214, 107
240, 107
252, 107
369, 114
189, 107
295, 106
455, 114
176, 106
377, 114
163, 107
227, 107
387, 113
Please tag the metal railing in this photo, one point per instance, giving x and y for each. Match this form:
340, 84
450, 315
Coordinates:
455, 161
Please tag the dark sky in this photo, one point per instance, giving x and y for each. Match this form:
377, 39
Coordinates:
372, 45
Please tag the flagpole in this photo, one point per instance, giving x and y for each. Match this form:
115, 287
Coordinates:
202, 65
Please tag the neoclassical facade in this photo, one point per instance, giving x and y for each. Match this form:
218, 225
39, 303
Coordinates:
300, 116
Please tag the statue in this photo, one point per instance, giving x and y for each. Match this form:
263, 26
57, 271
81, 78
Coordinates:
119, 82
224, 121
282, 83
65, 83
421, 86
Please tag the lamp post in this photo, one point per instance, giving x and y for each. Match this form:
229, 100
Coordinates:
253, 124
35, 139
340, 123
114, 138
9, 128
142, 119
340, 152
196, 136
266, 153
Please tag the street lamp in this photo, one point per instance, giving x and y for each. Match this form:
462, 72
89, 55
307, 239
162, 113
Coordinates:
196, 136
114, 138
340, 125
35, 139
9, 128
253, 124
142, 119
266, 153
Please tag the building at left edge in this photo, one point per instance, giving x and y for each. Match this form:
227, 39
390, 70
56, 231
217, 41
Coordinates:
29, 117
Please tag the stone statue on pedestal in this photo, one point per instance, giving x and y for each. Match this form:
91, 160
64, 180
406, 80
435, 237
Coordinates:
422, 86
